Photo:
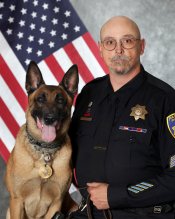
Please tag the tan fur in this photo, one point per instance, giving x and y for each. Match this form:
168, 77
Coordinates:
31, 196
27, 189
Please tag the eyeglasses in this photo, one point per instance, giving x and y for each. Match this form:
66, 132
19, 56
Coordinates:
127, 43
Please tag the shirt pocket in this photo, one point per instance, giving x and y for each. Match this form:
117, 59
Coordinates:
85, 128
140, 145
84, 137
136, 144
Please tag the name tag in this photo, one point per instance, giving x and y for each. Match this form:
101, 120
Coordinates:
86, 118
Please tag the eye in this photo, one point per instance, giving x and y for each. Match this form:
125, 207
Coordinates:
41, 98
128, 41
59, 99
109, 42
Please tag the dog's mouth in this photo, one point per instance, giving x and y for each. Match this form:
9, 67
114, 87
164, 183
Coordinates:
48, 132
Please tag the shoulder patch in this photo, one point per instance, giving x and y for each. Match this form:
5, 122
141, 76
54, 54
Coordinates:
171, 123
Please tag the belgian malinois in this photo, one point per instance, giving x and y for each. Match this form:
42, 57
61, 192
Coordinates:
39, 171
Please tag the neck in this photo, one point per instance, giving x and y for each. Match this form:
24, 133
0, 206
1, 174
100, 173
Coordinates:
40, 145
119, 81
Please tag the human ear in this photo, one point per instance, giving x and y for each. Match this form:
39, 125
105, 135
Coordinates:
142, 46
100, 48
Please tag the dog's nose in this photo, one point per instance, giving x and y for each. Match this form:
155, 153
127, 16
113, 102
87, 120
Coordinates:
49, 119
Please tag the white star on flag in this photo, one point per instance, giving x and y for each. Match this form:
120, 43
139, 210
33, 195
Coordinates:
51, 34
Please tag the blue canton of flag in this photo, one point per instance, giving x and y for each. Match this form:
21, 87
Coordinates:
35, 29
50, 33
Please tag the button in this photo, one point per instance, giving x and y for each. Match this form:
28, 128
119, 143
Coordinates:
132, 139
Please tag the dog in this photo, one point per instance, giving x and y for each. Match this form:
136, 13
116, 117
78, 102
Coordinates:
39, 172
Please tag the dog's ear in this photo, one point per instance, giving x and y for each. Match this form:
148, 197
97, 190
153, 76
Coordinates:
34, 78
70, 81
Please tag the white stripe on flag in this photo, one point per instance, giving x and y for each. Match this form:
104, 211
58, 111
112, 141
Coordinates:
88, 57
63, 59
11, 102
6, 136
48, 76
65, 63
13, 63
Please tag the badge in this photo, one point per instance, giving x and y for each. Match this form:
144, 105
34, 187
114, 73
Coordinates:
171, 124
138, 112
87, 115
45, 171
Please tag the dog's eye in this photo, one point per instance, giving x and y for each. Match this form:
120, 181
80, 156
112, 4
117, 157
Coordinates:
41, 98
60, 99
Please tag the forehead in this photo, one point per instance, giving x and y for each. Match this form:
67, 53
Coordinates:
118, 28
50, 89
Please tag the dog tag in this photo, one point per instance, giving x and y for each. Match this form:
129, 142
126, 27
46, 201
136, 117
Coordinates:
47, 157
45, 171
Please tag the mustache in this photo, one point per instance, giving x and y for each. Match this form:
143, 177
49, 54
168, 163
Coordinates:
120, 58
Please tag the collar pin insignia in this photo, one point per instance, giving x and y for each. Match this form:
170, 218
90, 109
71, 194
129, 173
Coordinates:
87, 114
90, 104
138, 112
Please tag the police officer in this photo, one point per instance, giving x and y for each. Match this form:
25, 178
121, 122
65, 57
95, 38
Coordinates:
123, 134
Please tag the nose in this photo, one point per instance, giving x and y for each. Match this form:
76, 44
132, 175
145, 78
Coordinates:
119, 48
49, 119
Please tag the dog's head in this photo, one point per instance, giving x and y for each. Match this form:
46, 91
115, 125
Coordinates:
49, 107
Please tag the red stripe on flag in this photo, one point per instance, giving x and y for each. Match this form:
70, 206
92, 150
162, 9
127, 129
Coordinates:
8, 119
76, 58
4, 151
93, 47
13, 84
54, 67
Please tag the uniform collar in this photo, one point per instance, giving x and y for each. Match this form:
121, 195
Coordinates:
129, 88
126, 91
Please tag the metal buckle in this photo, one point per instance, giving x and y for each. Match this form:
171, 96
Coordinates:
82, 205
157, 209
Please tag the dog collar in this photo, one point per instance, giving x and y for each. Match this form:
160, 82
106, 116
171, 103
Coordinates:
40, 145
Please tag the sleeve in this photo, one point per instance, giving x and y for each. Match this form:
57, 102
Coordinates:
75, 122
161, 188
73, 128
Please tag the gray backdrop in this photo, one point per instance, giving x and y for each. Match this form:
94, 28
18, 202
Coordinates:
156, 21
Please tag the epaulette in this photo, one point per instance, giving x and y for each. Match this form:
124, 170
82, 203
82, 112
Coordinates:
96, 81
160, 84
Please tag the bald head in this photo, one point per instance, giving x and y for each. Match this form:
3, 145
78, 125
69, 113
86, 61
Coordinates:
119, 25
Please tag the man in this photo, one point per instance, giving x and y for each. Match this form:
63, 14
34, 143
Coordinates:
123, 134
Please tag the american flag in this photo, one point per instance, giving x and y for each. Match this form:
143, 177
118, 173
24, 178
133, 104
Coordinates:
50, 33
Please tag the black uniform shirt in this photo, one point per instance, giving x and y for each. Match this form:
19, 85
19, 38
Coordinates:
126, 139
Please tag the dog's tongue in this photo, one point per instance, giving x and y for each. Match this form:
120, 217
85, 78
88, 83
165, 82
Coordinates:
48, 132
